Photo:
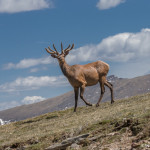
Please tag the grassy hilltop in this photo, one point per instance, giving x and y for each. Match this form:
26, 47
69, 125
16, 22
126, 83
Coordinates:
125, 124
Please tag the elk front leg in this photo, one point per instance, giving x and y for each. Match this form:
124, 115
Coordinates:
81, 95
76, 92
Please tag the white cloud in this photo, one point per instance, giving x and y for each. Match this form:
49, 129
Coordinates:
14, 6
123, 47
27, 63
106, 4
7, 105
33, 83
33, 70
32, 99
120, 48
26, 100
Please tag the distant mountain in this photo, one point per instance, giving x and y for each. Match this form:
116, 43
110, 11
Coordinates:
123, 88
148, 72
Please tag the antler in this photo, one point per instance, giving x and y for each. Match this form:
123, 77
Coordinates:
63, 51
55, 49
55, 52
69, 49
49, 50
61, 48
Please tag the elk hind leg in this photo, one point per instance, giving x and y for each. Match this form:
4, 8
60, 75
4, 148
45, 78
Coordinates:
102, 92
110, 86
82, 88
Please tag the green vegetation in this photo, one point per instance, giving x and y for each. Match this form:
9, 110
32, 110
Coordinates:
125, 123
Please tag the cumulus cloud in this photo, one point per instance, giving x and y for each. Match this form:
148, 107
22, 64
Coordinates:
26, 100
32, 99
33, 83
14, 6
27, 63
123, 47
106, 4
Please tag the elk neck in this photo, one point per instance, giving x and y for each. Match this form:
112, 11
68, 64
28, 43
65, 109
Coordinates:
65, 68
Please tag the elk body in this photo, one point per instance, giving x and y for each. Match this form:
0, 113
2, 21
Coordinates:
81, 76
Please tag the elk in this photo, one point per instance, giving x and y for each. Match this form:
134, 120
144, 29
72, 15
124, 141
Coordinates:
81, 76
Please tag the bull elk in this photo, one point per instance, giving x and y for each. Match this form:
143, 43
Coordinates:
81, 76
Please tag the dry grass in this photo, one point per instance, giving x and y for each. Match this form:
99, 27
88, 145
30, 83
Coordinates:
42, 131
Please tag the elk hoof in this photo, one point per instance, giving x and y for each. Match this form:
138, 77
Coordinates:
97, 105
112, 102
89, 104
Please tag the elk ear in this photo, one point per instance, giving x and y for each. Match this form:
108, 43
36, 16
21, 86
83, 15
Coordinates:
54, 56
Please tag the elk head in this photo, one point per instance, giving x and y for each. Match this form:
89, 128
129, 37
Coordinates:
60, 56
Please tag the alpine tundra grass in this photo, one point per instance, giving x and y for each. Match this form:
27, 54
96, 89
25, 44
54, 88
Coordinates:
126, 122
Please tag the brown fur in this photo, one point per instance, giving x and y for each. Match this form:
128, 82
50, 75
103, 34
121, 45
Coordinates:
81, 76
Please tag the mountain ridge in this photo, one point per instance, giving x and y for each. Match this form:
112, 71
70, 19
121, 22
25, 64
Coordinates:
123, 88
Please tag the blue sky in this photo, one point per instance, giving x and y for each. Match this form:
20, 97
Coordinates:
115, 31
